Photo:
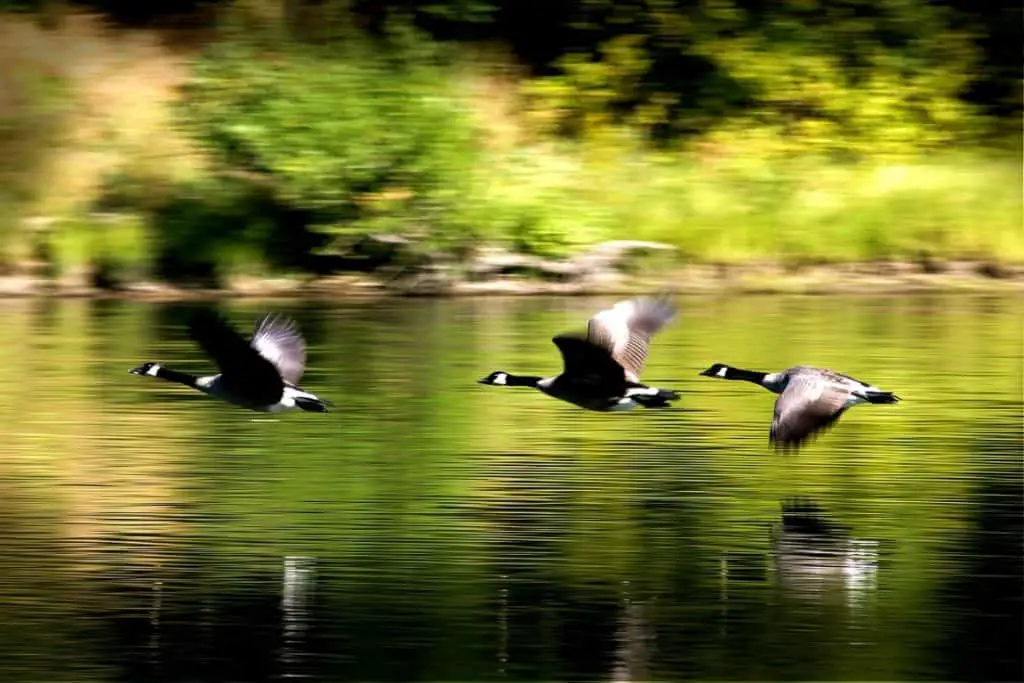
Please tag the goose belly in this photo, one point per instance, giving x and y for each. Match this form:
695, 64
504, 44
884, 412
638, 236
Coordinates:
598, 404
216, 388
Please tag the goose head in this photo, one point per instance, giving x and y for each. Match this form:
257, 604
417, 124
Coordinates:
148, 368
720, 370
499, 377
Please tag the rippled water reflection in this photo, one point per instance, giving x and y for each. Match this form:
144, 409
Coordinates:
434, 529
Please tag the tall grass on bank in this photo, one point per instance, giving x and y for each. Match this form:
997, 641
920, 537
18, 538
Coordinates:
737, 209
81, 101
384, 137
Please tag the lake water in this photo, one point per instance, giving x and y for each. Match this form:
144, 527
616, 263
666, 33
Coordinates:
430, 528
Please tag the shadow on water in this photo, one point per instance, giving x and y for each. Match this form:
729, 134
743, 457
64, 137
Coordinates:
984, 640
432, 529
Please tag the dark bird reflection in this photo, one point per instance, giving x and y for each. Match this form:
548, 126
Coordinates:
814, 555
297, 594
634, 640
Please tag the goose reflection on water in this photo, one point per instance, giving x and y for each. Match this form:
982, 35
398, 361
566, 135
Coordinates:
297, 587
813, 555
634, 640
813, 559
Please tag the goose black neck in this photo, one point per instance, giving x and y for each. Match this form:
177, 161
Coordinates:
522, 380
746, 375
175, 376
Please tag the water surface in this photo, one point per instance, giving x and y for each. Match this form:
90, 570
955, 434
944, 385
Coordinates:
434, 529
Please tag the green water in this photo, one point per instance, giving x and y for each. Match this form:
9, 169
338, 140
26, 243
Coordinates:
430, 528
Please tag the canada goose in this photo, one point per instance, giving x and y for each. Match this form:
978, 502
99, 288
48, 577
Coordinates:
602, 368
261, 374
810, 399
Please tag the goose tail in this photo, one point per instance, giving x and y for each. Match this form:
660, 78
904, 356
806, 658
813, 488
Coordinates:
881, 397
312, 404
655, 398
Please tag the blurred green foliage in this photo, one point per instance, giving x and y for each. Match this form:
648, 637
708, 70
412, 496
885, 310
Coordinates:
365, 145
853, 78
798, 131
32, 107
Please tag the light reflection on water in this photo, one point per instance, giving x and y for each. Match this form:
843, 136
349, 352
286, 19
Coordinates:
434, 529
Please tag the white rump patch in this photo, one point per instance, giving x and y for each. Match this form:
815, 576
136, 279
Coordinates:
624, 404
288, 397
286, 403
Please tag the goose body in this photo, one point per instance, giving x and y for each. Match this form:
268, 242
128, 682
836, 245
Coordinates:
811, 400
260, 374
601, 369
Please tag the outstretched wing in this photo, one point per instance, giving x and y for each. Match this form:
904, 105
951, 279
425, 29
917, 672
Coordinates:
625, 330
242, 368
278, 339
808, 405
588, 363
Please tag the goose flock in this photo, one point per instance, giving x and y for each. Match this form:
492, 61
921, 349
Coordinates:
600, 371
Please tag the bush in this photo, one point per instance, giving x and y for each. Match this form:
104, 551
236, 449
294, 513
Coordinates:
797, 76
32, 107
365, 141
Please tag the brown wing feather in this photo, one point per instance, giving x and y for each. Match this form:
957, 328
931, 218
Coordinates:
809, 405
625, 330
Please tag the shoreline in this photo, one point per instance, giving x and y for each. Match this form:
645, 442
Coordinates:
832, 279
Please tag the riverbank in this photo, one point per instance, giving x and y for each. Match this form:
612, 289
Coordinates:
850, 278
138, 182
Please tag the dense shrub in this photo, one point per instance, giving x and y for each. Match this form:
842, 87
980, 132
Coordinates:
364, 141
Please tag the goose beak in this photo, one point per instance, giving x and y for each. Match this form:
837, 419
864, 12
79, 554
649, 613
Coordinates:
135, 371
482, 381
705, 373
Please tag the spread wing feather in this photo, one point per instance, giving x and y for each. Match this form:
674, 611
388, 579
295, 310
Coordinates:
625, 331
808, 405
585, 362
243, 369
278, 339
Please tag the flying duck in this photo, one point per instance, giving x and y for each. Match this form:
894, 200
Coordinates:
261, 374
810, 400
602, 368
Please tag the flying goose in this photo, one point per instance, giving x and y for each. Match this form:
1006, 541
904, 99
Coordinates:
602, 368
810, 399
261, 374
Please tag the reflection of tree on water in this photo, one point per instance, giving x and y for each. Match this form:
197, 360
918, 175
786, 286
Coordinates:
551, 623
155, 613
